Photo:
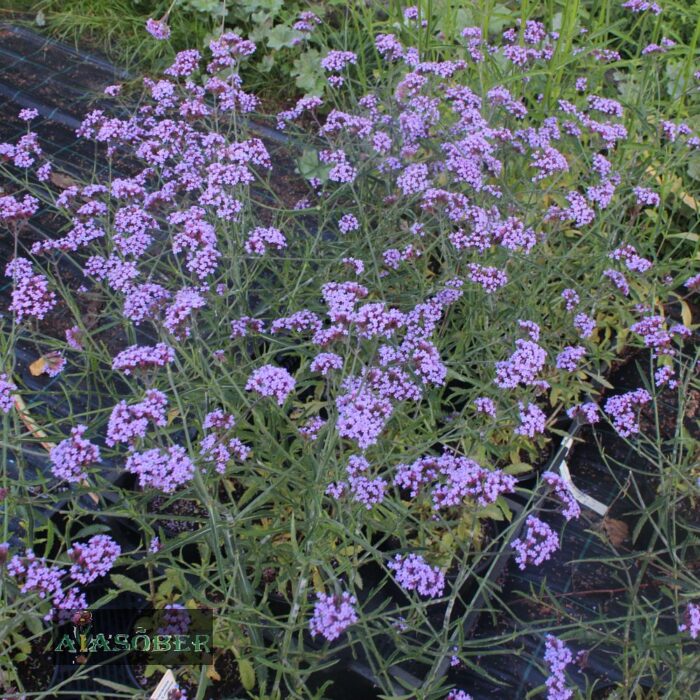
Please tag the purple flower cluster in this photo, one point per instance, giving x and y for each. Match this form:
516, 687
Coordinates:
646, 197
35, 575
664, 376
127, 423
71, 456
585, 325
143, 357
571, 298
657, 336
619, 280
7, 386
93, 559
413, 573
260, 239
332, 615
691, 621
219, 447
164, 470
490, 278
522, 367
632, 260
453, 479
622, 409
563, 494
533, 420
557, 657
362, 413
588, 412
271, 381
178, 313
324, 362
569, 358
175, 620
31, 296
368, 492
642, 6
537, 545
335, 61
304, 104
158, 29
483, 404
15, 210
348, 223
311, 428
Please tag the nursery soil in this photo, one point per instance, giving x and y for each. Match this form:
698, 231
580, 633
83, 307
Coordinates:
38, 669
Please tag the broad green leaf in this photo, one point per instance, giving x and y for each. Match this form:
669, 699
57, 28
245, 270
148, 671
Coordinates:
282, 36
124, 583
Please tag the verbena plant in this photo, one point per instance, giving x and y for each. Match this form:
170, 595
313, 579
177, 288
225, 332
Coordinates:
320, 405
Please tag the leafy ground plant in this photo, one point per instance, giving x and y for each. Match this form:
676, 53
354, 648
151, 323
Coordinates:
330, 412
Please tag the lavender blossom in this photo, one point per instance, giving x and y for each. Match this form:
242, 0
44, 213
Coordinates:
332, 615
537, 545
71, 456
570, 357
128, 423
522, 367
143, 357
691, 621
587, 412
36, 575
413, 573
164, 470
271, 381
563, 494
311, 428
622, 410
158, 29
532, 420
557, 657
7, 386
93, 559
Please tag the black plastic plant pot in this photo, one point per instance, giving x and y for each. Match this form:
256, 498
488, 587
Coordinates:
85, 676
41, 672
476, 592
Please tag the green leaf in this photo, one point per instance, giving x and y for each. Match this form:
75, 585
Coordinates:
694, 166
34, 625
491, 511
309, 74
282, 36
91, 530
247, 673
124, 583
517, 468
505, 509
310, 166
499, 17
